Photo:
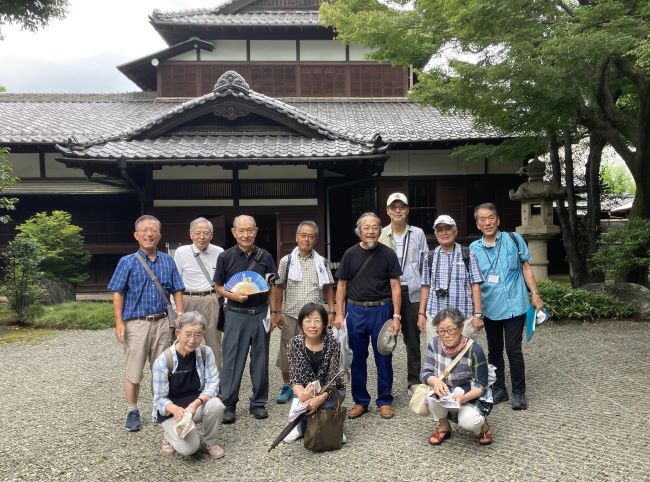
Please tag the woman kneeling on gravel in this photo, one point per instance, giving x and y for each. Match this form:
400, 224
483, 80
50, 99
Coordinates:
457, 389
314, 355
185, 386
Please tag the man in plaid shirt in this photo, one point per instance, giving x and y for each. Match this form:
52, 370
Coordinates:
303, 277
450, 279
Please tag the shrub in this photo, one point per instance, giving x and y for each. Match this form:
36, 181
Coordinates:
564, 302
74, 315
62, 242
21, 274
624, 248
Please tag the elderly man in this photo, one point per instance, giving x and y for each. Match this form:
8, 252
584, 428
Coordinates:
370, 291
196, 264
303, 277
185, 379
503, 259
140, 310
244, 325
410, 246
451, 278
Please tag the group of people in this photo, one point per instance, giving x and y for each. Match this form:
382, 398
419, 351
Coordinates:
389, 275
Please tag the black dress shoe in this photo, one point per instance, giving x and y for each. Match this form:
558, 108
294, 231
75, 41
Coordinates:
229, 415
519, 401
499, 395
259, 412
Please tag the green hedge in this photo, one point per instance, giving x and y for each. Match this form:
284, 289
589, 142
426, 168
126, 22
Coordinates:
76, 315
564, 302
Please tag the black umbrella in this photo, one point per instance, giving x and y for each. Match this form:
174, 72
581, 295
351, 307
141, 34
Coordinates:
298, 419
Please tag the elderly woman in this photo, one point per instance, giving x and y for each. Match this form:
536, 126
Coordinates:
185, 378
314, 355
466, 382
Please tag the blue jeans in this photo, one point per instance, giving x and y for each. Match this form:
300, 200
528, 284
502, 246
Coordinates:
363, 324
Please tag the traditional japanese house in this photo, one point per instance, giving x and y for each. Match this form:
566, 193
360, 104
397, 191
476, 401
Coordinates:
254, 108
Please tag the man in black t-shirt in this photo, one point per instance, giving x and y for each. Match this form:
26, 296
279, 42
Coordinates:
370, 290
244, 325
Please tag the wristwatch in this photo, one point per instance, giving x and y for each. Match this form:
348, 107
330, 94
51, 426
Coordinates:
398, 316
478, 314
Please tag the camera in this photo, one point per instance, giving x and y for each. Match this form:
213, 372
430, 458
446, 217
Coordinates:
441, 293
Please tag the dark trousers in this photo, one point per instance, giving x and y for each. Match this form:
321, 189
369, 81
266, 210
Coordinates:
511, 330
364, 323
411, 334
241, 333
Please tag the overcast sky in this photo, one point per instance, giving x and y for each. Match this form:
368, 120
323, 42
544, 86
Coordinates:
80, 52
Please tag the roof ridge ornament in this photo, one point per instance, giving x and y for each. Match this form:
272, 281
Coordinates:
232, 81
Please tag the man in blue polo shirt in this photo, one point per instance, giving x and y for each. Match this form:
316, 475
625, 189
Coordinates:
503, 260
244, 323
141, 322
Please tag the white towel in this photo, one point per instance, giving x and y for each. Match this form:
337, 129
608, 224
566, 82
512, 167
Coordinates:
295, 273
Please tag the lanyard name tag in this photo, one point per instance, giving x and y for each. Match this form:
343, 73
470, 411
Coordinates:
493, 278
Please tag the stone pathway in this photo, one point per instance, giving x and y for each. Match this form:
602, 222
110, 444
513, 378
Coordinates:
588, 391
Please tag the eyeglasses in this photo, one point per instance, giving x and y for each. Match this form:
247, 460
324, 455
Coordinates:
188, 335
201, 233
398, 207
245, 231
149, 230
306, 236
487, 218
313, 321
449, 331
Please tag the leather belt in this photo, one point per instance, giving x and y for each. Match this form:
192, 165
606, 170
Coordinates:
198, 293
247, 311
156, 317
368, 304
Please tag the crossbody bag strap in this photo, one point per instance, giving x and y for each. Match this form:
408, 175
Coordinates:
453, 363
153, 277
362, 267
256, 259
198, 259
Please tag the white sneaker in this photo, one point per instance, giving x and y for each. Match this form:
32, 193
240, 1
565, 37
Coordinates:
345, 439
294, 435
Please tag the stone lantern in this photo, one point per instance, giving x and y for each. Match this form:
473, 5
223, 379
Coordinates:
536, 197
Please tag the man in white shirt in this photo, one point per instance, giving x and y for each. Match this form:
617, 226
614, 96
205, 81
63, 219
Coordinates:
196, 264
410, 246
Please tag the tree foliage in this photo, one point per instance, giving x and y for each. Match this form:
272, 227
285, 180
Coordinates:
32, 14
7, 179
537, 68
21, 274
65, 259
617, 179
624, 248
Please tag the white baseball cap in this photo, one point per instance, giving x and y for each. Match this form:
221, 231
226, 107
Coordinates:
396, 196
444, 219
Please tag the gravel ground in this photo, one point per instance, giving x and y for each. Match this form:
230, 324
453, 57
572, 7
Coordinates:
64, 414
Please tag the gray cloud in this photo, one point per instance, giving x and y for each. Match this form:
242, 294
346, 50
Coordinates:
94, 74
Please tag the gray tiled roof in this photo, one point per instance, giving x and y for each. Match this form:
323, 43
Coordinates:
52, 118
211, 17
205, 147
318, 139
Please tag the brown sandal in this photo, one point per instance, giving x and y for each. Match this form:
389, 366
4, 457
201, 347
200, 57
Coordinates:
438, 436
485, 438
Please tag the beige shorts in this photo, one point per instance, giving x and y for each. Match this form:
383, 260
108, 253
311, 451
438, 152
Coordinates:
288, 330
144, 341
